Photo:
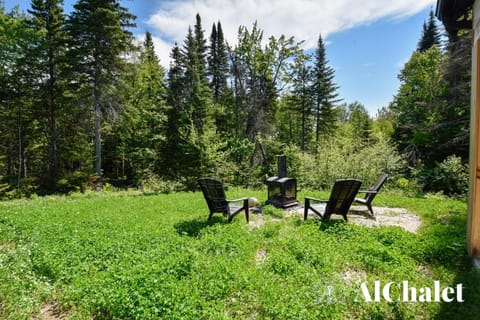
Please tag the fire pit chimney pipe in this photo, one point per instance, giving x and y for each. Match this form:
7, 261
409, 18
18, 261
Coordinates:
282, 166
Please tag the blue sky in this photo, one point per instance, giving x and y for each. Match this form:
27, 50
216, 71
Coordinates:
368, 41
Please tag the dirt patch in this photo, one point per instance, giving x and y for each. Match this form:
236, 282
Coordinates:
50, 311
384, 216
351, 276
7, 246
256, 218
260, 256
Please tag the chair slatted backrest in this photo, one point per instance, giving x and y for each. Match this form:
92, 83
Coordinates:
214, 194
342, 196
376, 187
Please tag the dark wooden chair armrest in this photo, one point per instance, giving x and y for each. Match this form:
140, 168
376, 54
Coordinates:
238, 200
315, 199
367, 191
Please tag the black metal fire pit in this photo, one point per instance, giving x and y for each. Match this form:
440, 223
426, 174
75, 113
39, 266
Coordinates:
282, 191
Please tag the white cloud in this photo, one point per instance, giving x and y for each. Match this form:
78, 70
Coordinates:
304, 19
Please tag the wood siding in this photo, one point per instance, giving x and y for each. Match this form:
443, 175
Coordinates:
473, 221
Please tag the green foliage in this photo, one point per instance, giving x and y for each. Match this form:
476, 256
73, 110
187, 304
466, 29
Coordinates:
124, 255
345, 157
325, 93
272, 211
99, 35
449, 176
416, 104
431, 109
430, 34
220, 111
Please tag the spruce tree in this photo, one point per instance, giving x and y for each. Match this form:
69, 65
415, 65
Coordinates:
197, 94
218, 70
100, 37
430, 34
200, 44
218, 63
145, 119
302, 98
325, 93
174, 115
49, 20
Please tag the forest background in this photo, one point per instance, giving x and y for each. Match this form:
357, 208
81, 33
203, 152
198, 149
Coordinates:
83, 105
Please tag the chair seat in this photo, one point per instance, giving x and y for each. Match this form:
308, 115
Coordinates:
235, 208
319, 208
361, 200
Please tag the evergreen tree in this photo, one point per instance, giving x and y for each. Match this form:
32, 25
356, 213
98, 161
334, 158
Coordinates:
430, 34
360, 123
455, 127
301, 101
325, 93
218, 71
49, 20
182, 153
197, 94
201, 48
21, 78
145, 118
177, 119
100, 37
218, 63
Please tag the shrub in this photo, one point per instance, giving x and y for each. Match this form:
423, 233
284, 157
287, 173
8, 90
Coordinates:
451, 176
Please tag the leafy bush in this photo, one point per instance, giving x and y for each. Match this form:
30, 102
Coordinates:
450, 176
153, 183
340, 157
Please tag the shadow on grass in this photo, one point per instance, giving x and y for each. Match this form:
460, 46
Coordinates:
328, 224
363, 213
192, 228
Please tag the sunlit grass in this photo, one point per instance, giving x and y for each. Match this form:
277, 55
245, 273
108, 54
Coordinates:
133, 256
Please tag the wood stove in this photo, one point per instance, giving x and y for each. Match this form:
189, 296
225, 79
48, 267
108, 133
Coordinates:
282, 191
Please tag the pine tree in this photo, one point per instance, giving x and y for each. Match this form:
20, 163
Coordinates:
302, 99
361, 124
197, 93
145, 119
430, 34
200, 44
325, 93
49, 20
218, 63
18, 84
218, 71
179, 120
98, 29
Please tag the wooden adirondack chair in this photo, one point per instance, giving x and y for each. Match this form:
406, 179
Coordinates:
214, 194
341, 198
372, 192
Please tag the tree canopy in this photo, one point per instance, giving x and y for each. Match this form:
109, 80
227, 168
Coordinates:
84, 104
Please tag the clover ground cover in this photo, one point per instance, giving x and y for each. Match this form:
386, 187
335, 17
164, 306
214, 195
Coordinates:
130, 256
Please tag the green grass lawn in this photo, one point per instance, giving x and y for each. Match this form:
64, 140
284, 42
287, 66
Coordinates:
130, 256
